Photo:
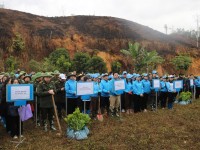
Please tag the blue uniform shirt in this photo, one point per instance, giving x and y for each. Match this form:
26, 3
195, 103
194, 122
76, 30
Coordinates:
105, 88
138, 87
197, 82
146, 86
129, 87
112, 88
70, 87
163, 86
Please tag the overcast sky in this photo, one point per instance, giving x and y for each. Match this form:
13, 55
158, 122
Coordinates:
152, 13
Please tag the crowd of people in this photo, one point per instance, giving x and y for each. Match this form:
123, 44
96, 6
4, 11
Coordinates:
138, 95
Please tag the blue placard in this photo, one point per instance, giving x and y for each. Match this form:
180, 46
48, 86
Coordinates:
178, 85
119, 85
84, 88
19, 92
156, 84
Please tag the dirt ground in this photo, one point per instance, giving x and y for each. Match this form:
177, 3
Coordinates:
166, 129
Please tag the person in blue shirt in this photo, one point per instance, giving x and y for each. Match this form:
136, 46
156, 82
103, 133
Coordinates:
171, 92
163, 92
138, 92
105, 94
197, 84
114, 96
95, 96
72, 98
128, 94
147, 90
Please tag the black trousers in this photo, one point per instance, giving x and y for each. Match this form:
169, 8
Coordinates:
47, 114
105, 104
123, 101
72, 104
144, 101
137, 103
128, 101
13, 122
197, 92
163, 99
60, 106
94, 105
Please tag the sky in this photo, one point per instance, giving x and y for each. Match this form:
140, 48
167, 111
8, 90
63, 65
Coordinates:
152, 13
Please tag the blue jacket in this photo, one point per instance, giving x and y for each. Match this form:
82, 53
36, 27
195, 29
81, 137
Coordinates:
163, 86
129, 87
146, 86
96, 89
197, 83
70, 87
138, 87
170, 88
112, 89
105, 88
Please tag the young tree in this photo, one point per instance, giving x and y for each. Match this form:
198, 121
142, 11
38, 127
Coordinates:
60, 59
141, 58
182, 62
116, 66
11, 64
18, 43
80, 62
151, 59
35, 65
96, 64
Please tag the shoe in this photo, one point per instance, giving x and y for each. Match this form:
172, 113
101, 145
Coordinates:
117, 115
145, 110
15, 137
53, 128
45, 128
128, 112
22, 136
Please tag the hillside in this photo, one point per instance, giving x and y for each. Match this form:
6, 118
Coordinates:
106, 35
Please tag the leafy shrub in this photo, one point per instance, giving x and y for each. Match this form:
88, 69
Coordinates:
185, 96
77, 120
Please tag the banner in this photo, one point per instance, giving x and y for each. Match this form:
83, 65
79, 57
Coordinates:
119, 85
19, 92
85, 88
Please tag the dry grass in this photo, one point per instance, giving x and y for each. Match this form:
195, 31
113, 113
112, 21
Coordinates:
166, 129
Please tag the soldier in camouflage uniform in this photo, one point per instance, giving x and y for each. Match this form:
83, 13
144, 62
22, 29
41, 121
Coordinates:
60, 94
21, 77
55, 77
45, 91
36, 80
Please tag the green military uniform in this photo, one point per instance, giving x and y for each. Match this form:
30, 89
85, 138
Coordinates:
60, 96
46, 104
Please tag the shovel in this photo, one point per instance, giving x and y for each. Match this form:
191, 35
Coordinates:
99, 115
56, 114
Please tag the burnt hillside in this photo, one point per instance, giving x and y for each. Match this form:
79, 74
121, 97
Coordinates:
109, 35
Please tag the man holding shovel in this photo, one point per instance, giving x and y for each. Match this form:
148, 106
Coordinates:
45, 90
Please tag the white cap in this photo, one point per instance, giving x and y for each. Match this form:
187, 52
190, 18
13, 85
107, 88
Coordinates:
170, 76
62, 76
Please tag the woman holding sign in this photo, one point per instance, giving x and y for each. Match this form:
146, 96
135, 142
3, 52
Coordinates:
72, 98
171, 91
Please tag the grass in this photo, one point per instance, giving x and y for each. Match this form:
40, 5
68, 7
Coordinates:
166, 129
